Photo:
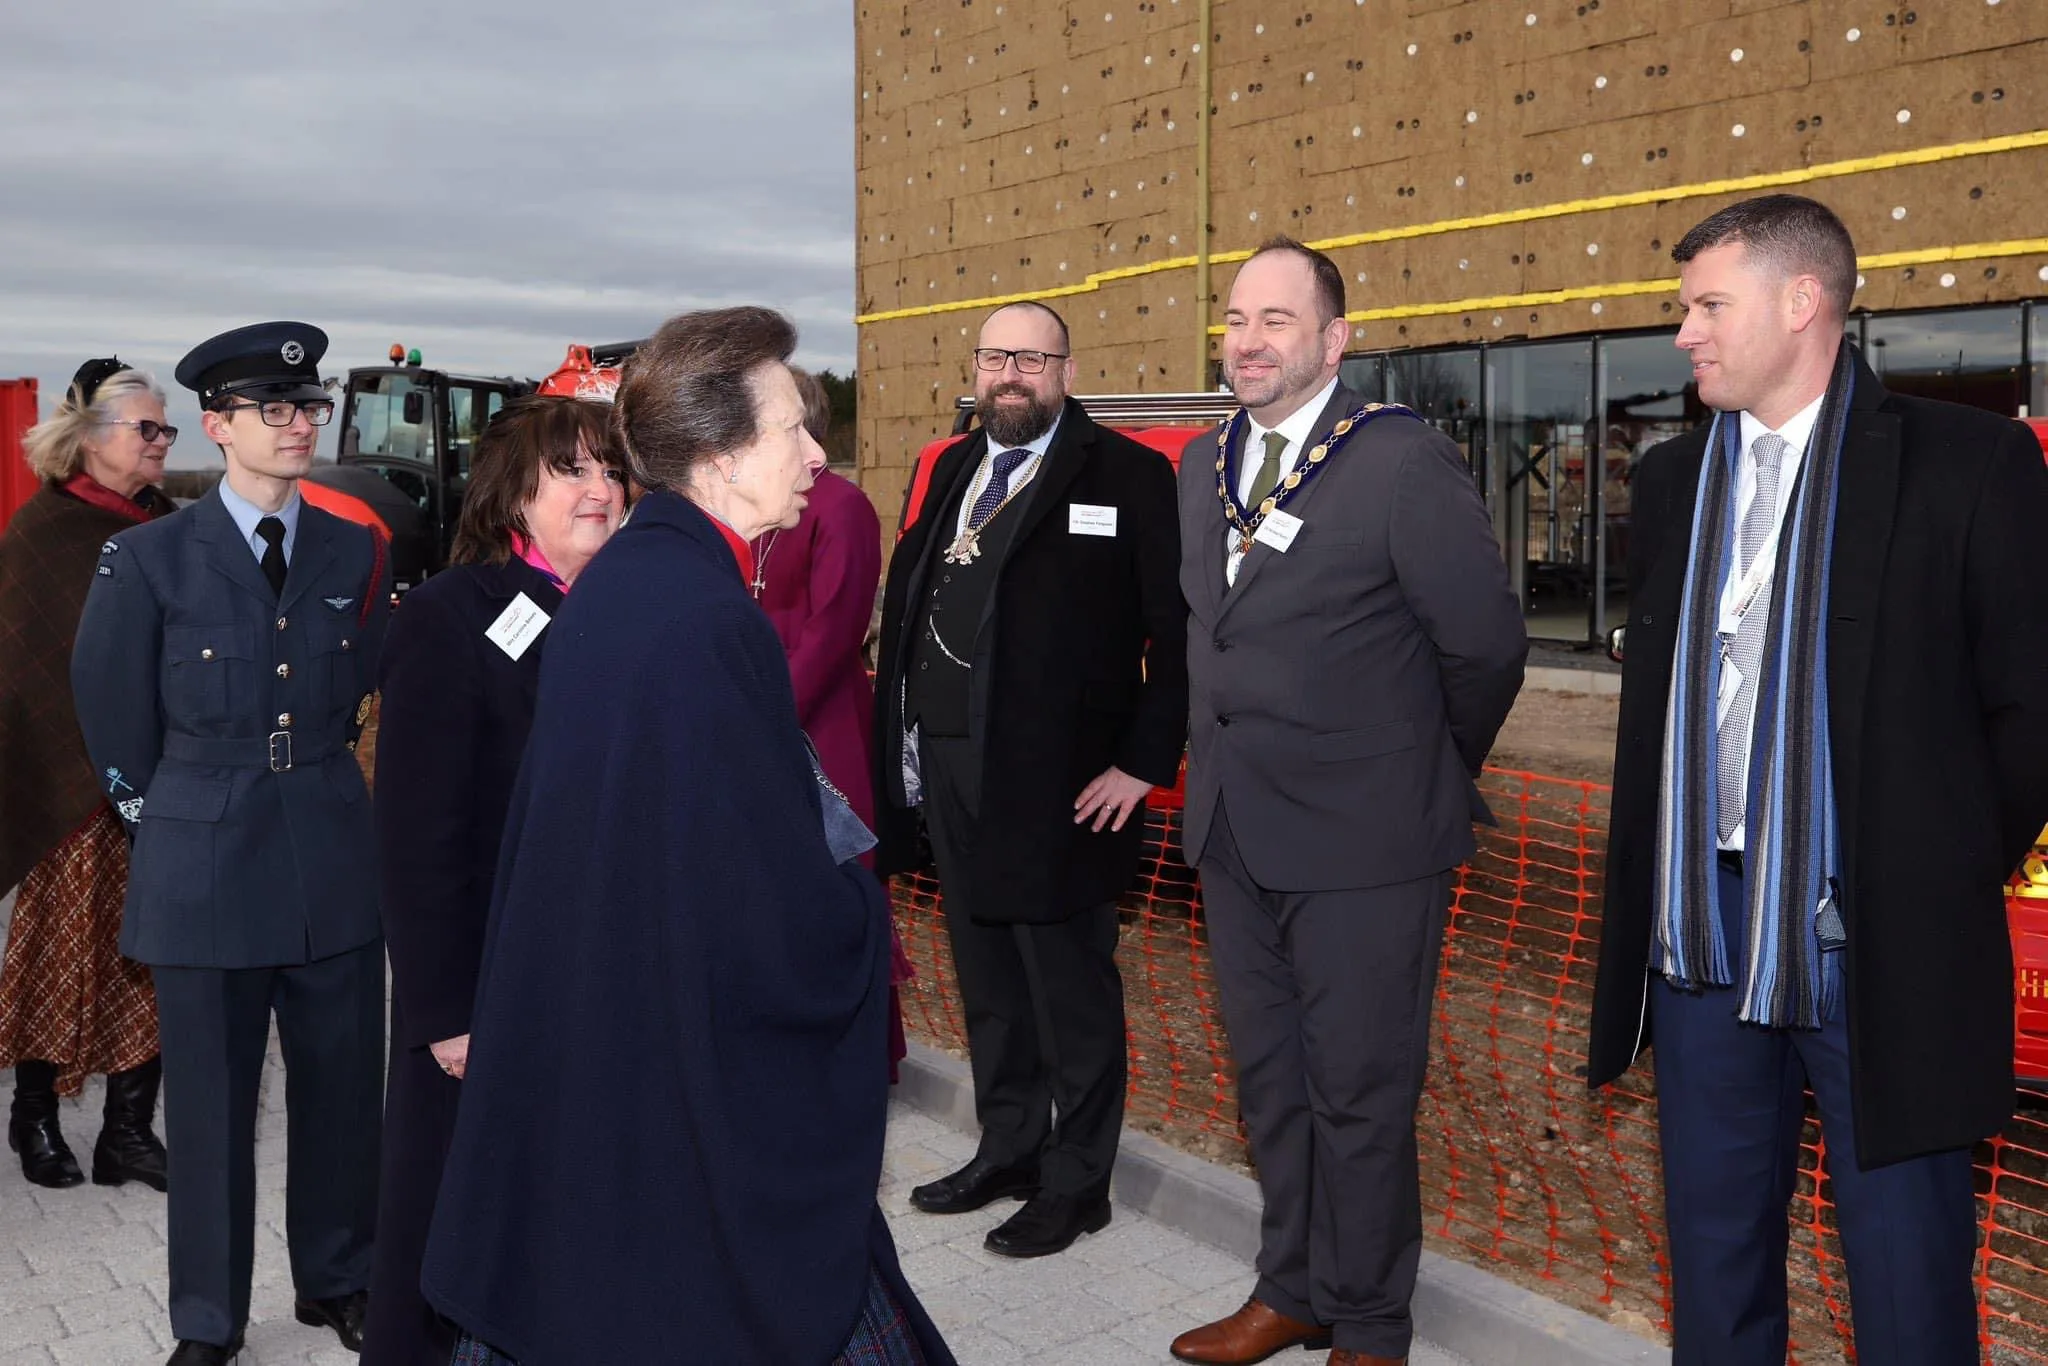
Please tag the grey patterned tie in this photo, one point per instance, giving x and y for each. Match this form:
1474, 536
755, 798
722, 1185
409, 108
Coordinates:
1747, 652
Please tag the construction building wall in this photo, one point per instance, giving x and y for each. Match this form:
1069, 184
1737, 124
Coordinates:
1481, 170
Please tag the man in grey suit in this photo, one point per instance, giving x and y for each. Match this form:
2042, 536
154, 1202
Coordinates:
1353, 648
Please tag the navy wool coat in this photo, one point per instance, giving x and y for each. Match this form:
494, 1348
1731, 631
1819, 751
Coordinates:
451, 730
670, 1135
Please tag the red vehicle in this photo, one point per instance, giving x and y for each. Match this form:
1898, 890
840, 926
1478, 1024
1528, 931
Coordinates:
2026, 905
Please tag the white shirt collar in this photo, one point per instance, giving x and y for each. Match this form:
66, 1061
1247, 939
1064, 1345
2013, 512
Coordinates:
1797, 431
1297, 425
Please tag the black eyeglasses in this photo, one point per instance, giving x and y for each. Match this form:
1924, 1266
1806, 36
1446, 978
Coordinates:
1028, 362
149, 431
280, 412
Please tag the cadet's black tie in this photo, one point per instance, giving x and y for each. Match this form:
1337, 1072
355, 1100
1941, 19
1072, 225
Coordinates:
272, 532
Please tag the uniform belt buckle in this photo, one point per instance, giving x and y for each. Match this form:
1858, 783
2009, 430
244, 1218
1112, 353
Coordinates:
280, 751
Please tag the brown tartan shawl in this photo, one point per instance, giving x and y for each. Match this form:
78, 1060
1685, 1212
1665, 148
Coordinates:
47, 557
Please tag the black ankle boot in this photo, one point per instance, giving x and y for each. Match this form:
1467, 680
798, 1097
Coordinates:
32, 1128
128, 1150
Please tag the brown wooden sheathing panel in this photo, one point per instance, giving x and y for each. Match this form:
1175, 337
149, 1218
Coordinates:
1011, 146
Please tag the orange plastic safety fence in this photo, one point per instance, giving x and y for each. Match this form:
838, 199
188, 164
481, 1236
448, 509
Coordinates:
1524, 1171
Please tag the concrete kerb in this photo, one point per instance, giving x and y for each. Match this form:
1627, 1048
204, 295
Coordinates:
1461, 1308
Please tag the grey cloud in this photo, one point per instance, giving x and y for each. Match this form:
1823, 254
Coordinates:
486, 182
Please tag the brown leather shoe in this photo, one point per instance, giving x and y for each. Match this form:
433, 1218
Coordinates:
1252, 1334
1344, 1356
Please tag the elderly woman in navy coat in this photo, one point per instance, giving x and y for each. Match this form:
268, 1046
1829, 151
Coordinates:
670, 1137
460, 668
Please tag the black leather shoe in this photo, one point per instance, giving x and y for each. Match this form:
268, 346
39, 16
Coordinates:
344, 1314
128, 1150
46, 1159
205, 1353
1047, 1224
978, 1183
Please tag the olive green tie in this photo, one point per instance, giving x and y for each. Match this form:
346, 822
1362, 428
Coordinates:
1268, 476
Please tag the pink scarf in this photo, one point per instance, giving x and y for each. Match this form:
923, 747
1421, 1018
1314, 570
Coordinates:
529, 551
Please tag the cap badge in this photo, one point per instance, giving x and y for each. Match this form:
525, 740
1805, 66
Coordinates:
292, 352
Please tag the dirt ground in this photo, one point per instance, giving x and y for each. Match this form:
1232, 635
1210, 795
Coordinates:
1560, 734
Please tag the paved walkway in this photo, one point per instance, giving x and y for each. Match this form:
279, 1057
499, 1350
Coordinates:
82, 1278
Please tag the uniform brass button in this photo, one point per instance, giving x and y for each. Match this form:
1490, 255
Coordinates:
284, 671
206, 654
284, 720
282, 622
345, 644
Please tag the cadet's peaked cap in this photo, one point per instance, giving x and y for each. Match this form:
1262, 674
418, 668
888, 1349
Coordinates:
264, 361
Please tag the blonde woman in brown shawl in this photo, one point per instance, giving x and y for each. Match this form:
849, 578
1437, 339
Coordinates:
70, 1005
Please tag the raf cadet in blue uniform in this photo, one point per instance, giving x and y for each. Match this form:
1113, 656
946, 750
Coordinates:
223, 671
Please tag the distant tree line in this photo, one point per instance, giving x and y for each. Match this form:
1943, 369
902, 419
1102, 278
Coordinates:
843, 443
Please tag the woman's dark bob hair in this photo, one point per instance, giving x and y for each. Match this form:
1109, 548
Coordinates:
685, 395
528, 433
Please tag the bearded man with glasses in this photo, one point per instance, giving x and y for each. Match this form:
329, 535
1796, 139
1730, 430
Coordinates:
222, 675
1031, 691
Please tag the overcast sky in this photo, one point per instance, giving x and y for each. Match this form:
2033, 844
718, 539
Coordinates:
487, 182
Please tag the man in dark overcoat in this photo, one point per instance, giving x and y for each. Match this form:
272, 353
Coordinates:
1032, 689
222, 672
1833, 748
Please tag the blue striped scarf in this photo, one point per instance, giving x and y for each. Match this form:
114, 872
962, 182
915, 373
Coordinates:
1792, 859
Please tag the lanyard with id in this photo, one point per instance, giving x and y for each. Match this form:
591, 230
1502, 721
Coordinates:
1736, 601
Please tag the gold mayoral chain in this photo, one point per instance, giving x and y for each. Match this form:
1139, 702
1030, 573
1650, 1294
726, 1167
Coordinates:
966, 547
1247, 526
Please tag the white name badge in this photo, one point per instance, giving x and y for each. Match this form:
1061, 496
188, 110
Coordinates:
518, 626
1086, 519
1278, 529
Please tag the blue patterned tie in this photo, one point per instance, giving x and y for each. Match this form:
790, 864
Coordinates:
998, 488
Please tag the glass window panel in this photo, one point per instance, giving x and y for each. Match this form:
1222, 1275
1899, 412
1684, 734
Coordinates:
376, 424
1365, 376
1443, 388
1539, 423
1650, 398
2037, 347
1963, 355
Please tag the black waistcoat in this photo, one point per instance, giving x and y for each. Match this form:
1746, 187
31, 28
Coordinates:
953, 610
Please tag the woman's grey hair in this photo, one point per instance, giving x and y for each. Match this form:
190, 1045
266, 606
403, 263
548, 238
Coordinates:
685, 396
56, 447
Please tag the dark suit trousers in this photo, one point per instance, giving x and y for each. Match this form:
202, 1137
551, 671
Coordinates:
215, 1026
1327, 997
1730, 1103
1044, 1007
419, 1125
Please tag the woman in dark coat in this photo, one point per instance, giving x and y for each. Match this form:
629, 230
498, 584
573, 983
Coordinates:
546, 492
70, 1005
670, 1137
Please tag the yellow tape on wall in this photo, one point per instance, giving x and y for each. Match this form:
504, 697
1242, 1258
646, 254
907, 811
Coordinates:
1803, 175
1922, 256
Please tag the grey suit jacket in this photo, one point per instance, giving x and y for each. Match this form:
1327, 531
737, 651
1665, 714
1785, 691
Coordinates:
1344, 693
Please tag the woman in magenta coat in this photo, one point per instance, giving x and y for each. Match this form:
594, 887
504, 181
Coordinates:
817, 582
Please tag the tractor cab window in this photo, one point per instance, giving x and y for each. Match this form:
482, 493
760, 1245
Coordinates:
390, 415
469, 408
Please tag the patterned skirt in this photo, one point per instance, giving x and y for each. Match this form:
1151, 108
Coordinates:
67, 996
881, 1338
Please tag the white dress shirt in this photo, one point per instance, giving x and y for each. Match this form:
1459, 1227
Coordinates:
1797, 434
246, 515
1019, 477
1296, 428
